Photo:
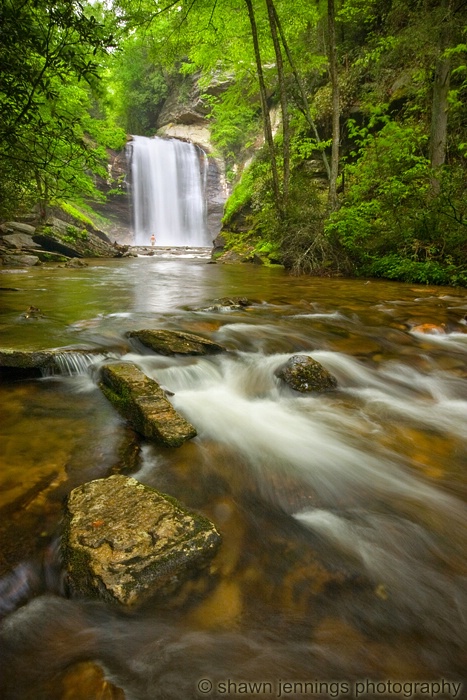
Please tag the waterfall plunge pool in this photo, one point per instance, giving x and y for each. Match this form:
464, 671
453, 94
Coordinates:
343, 515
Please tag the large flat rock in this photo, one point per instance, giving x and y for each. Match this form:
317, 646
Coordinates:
125, 542
141, 400
26, 359
166, 342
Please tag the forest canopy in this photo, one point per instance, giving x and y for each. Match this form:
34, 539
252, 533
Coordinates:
354, 112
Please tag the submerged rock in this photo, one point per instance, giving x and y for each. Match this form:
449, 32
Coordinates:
76, 262
32, 312
143, 402
304, 374
228, 304
429, 329
125, 542
176, 342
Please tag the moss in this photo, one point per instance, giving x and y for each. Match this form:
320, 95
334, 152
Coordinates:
76, 213
52, 257
120, 398
145, 406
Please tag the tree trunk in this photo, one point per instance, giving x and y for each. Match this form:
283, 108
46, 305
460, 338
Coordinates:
299, 82
332, 56
439, 108
42, 197
272, 15
265, 111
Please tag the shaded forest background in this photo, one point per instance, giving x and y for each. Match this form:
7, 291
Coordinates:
342, 124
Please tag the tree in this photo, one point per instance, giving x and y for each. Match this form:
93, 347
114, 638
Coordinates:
51, 54
302, 92
139, 85
441, 81
333, 73
274, 27
265, 111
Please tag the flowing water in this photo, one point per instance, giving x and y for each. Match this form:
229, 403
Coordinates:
342, 568
168, 180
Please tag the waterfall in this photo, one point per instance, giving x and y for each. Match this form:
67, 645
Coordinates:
168, 192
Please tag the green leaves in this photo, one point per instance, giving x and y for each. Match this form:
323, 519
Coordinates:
392, 223
51, 54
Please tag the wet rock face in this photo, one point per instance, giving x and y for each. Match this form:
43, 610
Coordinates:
38, 361
176, 342
125, 542
141, 400
24, 359
304, 374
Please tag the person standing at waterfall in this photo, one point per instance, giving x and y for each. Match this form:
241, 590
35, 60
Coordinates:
153, 239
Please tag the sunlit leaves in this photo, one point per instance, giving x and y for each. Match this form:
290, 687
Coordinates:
51, 55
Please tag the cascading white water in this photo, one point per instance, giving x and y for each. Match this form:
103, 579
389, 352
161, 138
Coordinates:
168, 192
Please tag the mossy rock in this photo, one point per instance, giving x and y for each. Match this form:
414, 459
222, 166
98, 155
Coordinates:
166, 342
60, 237
125, 542
143, 403
27, 359
15, 362
304, 374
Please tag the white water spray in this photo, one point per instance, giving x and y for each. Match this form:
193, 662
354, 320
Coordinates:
168, 192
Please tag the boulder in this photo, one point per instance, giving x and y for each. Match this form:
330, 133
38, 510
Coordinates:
304, 374
20, 260
11, 226
126, 542
176, 342
143, 402
18, 240
61, 237
76, 262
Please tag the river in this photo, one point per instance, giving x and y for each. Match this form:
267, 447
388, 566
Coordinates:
342, 568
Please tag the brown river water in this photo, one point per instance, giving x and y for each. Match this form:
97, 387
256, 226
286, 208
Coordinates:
342, 569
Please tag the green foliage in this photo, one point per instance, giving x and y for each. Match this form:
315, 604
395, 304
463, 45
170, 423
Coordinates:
138, 86
105, 133
304, 249
234, 122
51, 54
395, 221
241, 196
429, 272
